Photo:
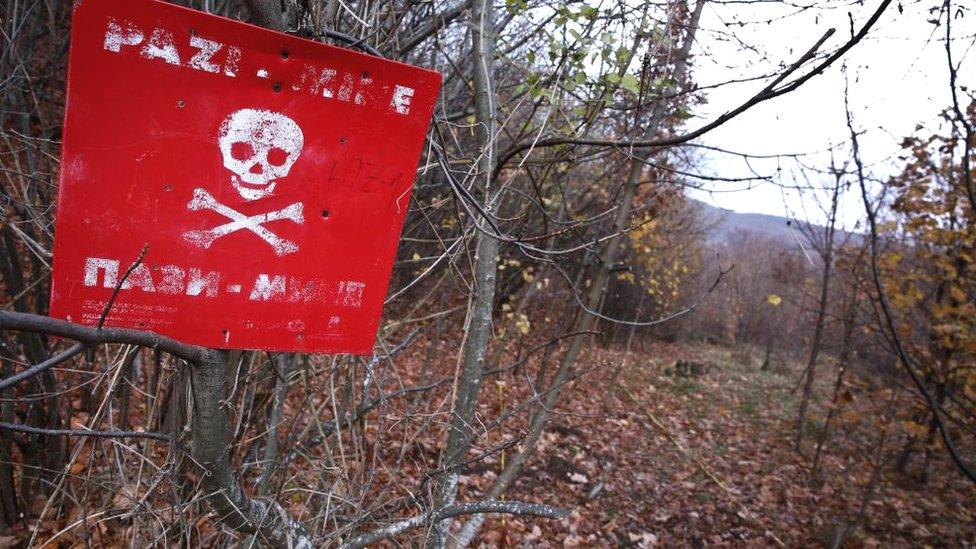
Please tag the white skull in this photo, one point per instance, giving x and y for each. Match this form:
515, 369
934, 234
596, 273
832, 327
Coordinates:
260, 147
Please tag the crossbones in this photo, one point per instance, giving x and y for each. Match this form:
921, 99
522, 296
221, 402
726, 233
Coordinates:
203, 200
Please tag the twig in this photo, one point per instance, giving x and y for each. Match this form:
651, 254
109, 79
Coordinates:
43, 366
82, 432
481, 507
26, 322
888, 316
118, 286
767, 93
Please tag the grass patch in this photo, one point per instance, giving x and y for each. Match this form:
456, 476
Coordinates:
684, 386
748, 406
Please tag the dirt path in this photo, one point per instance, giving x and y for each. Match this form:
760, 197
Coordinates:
703, 456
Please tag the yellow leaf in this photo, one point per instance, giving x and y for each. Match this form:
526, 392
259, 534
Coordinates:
774, 300
850, 416
914, 428
957, 294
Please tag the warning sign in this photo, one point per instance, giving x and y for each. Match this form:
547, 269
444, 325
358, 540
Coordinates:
269, 175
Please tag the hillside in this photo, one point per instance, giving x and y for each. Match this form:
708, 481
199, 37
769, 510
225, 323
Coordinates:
724, 224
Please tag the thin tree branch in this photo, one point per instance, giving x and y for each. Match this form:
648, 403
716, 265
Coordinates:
767, 93
888, 314
42, 367
82, 432
481, 507
210, 436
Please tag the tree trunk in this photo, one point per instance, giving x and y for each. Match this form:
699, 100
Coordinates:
211, 449
485, 266
826, 255
285, 363
267, 13
767, 363
585, 321
845, 358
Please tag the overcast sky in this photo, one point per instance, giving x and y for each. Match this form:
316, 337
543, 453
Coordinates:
898, 79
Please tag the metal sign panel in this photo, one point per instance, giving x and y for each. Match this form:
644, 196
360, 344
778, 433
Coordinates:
269, 176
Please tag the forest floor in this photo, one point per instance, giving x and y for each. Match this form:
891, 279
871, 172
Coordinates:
707, 458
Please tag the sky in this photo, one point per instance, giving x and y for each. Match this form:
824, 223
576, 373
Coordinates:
898, 79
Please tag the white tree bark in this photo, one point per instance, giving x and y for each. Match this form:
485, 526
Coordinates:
478, 333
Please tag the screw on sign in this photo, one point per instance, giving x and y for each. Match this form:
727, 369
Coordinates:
269, 175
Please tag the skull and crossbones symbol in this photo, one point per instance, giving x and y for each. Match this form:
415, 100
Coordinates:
259, 147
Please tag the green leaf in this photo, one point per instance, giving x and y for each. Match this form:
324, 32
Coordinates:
660, 82
629, 82
622, 55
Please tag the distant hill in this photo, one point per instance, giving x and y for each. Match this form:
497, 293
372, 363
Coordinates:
724, 224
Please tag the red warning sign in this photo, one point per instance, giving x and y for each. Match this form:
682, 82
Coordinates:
269, 176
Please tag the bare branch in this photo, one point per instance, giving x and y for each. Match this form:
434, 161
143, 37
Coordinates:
82, 432
767, 93
481, 507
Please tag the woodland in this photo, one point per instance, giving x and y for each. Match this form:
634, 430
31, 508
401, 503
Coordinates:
575, 349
